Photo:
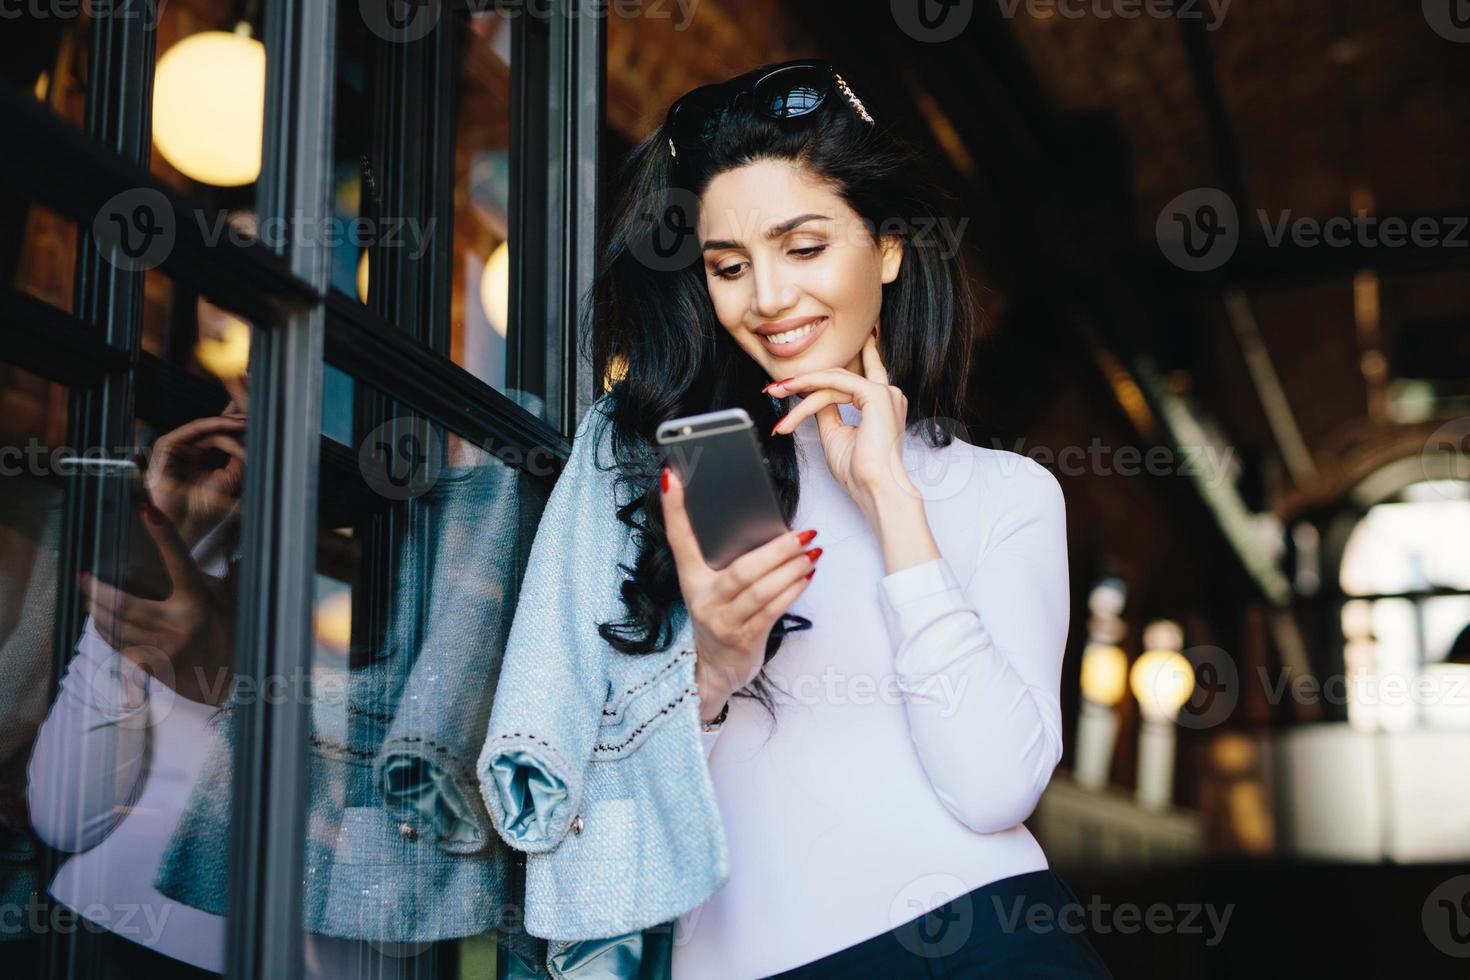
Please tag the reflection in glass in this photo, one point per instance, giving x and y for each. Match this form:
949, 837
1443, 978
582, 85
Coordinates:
136, 710
422, 543
478, 232
32, 420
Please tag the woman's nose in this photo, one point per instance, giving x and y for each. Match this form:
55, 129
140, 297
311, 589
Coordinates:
772, 293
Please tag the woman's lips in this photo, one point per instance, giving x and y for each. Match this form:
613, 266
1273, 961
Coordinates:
792, 348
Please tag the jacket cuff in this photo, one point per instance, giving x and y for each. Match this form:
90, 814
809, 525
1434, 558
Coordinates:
529, 791
419, 778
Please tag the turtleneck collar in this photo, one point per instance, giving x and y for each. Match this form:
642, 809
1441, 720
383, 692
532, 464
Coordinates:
808, 433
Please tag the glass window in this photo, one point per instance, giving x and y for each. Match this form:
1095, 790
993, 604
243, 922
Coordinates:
1406, 572
122, 774
419, 557
33, 418
422, 196
208, 98
123, 452
44, 50
40, 252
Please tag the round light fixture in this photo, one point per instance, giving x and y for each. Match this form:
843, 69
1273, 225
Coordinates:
209, 106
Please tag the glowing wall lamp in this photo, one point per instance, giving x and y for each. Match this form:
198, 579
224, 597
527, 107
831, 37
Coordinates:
495, 289
209, 106
1104, 683
1162, 680
226, 355
332, 620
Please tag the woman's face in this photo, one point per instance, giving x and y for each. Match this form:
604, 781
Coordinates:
795, 276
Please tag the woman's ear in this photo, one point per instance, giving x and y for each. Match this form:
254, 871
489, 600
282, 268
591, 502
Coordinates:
892, 248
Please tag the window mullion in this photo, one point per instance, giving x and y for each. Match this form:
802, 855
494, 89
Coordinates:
268, 829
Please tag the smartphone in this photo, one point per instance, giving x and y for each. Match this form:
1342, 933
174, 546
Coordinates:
728, 491
124, 554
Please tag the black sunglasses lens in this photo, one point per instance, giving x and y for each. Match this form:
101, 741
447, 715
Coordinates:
793, 91
696, 116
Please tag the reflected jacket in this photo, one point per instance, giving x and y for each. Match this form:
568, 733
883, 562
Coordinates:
593, 761
398, 845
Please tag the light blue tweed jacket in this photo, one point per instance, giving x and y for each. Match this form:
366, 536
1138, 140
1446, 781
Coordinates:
593, 762
399, 848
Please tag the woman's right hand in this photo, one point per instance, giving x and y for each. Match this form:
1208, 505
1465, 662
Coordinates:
732, 608
197, 473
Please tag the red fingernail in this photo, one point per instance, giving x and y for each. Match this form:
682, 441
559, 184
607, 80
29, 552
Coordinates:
810, 573
663, 480
814, 554
805, 537
154, 515
781, 382
778, 424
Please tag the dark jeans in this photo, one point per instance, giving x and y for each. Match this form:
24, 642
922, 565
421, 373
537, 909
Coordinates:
1029, 925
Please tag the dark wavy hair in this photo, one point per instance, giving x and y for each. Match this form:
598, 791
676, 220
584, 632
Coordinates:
658, 325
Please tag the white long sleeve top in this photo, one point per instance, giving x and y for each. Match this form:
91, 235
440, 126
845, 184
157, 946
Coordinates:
112, 766
919, 724
108, 778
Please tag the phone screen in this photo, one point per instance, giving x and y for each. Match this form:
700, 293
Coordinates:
124, 554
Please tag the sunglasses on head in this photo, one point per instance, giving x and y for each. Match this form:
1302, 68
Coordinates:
785, 91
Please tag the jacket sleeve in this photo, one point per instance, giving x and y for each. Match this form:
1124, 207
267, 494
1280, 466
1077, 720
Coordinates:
425, 766
980, 663
554, 677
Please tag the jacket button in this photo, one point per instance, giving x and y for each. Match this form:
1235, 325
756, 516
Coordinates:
406, 830
577, 824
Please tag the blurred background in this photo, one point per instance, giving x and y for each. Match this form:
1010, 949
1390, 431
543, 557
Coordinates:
1223, 252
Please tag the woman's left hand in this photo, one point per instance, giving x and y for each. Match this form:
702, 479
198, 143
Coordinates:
867, 459
193, 630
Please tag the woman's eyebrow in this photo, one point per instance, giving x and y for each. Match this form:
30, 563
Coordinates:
773, 234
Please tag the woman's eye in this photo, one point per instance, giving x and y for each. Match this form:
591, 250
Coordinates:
733, 271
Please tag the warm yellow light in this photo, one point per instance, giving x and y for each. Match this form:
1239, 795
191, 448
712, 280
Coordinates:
1162, 680
1104, 674
227, 356
617, 370
362, 277
333, 620
495, 289
209, 107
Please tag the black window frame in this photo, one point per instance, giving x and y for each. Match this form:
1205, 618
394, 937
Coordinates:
558, 84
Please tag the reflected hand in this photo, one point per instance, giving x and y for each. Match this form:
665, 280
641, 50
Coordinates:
194, 628
196, 473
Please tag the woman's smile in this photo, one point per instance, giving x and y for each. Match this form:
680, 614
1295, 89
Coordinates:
789, 343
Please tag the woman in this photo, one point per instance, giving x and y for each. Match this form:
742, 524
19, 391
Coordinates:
880, 722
